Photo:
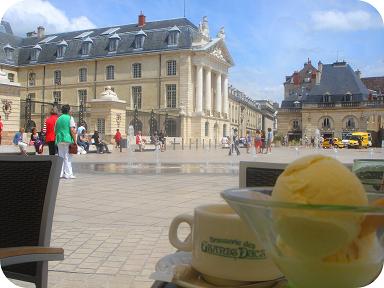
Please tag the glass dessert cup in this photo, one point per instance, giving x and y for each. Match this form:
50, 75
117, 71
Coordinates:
316, 246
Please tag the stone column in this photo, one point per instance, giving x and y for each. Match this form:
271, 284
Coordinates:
199, 89
208, 95
225, 94
218, 93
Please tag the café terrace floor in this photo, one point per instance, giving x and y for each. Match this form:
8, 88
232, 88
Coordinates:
113, 219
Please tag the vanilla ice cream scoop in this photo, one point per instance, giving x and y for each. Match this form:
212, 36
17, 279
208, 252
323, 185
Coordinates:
318, 180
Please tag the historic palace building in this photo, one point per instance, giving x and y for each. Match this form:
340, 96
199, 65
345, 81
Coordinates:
333, 99
171, 74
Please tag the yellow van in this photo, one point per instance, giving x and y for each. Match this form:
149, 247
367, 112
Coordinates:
359, 140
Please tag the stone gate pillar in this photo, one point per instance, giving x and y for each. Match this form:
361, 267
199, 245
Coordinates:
9, 108
108, 114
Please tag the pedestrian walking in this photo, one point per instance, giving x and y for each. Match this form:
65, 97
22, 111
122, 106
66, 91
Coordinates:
234, 144
249, 141
117, 138
262, 134
269, 141
50, 136
258, 141
65, 130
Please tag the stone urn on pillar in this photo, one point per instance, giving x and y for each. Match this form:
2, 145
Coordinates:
108, 115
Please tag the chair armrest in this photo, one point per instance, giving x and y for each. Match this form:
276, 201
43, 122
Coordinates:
23, 254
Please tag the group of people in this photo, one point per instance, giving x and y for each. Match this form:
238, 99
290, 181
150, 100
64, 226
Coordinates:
262, 142
59, 133
157, 139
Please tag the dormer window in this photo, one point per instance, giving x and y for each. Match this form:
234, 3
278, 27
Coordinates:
173, 37
326, 98
113, 42
347, 97
61, 47
8, 49
86, 46
139, 39
35, 52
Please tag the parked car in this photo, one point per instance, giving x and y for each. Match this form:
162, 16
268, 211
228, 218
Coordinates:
337, 142
346, 139
332, 142
359, 140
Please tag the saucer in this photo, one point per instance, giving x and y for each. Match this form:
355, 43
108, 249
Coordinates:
179, 264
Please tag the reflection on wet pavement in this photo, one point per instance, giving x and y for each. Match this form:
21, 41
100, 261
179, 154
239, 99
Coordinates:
165, 168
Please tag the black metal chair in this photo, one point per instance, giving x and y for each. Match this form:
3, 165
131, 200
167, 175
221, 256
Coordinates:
27, 201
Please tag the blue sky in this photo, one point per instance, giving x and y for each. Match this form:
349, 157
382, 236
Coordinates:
267, 39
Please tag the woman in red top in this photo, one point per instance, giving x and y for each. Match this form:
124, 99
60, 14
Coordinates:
50, 135
258, 141
117, 138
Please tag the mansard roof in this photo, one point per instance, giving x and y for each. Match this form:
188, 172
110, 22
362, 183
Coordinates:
157, 35
337, 80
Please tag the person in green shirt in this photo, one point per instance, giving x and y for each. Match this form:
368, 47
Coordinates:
65, 130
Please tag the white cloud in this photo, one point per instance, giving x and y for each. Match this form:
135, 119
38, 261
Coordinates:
25, 16
343, 21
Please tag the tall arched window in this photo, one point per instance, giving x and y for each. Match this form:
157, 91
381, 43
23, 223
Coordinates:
224, 130
206, 129
350, 123
295, 125
326, 123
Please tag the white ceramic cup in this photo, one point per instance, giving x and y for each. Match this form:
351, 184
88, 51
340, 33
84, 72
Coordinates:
224, 250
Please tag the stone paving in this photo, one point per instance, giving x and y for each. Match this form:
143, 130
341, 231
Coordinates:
114, 227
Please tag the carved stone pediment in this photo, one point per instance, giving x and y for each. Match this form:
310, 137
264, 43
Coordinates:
218, 54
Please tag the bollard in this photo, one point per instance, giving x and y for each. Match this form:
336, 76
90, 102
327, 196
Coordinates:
209, 143
203, 143
174, 143
182, 143
190, 143
197, 143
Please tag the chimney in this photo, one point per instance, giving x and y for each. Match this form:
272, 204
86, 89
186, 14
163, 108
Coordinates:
296, 78
358, 73
318, 75
141, 21
40, 31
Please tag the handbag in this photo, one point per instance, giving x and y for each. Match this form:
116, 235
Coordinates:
72, 148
